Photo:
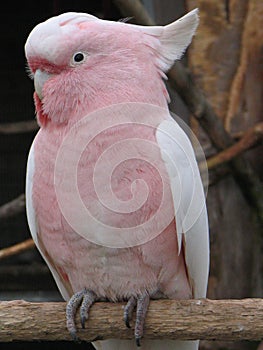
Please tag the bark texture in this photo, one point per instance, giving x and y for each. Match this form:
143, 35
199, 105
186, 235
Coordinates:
226, 59
166, 319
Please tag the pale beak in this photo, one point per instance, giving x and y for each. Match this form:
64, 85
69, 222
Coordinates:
40, 77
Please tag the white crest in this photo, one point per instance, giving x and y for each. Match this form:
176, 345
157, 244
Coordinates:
174, 37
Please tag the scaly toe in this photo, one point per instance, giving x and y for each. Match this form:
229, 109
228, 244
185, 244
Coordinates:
142, 307
85, 298
128, 310
141, 310
138, 341
88, 299
71, 310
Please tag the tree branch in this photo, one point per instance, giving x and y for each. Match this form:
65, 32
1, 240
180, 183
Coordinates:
166, 319
12, 208
16, 248
181, 80
19, 127
252, 137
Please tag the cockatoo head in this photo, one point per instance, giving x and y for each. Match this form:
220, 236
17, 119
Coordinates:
79, 61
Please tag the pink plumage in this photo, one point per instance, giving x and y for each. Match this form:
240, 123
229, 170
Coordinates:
84, 66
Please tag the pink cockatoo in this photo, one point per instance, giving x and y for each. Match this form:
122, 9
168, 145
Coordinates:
115, 202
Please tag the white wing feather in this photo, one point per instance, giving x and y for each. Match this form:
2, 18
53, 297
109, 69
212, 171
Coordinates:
32, 220
189, 202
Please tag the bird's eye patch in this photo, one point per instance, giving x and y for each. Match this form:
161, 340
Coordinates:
78, 58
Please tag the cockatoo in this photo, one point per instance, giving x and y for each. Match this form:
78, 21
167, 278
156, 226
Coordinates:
115, 202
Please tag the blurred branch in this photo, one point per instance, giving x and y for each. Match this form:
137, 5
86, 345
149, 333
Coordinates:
216, 164
136, 9
16, 249
19, 127
237, 135
166, 319
12, 208
250, 138
181, 80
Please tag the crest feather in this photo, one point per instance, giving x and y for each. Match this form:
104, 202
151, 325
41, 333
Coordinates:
174, 37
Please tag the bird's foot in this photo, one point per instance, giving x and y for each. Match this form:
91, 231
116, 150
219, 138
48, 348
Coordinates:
84, 299
142, 303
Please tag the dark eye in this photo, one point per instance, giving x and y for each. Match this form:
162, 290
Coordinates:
78, 58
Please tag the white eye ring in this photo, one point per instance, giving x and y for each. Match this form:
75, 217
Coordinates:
78, 58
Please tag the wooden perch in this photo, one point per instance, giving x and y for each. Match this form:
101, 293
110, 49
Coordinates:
14, 207
166, 319
19, 127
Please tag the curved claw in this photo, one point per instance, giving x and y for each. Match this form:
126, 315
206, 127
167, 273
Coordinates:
142, 307
128, 310
138, 341
141, 311
88, 299
84, 298
71, 309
